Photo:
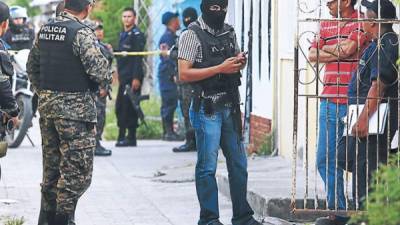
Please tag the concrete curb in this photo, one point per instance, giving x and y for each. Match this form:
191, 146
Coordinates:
271, 207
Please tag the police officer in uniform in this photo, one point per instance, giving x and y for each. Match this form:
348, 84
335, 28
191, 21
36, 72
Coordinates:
7, 100
19, 36
167, 71
66, 66
130, 72
185, 90
210, 59
101, 97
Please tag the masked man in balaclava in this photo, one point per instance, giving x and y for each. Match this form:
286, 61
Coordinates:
209, 58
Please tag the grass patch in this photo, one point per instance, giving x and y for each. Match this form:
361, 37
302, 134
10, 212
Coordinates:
266, 147
14, 221
151, 110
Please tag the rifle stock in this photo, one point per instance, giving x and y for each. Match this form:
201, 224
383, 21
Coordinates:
136, 99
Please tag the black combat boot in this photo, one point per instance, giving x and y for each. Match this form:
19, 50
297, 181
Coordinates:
121, 137
64, 219
101, 151
332, 220
189, 146
170, 134
130, 141
61, 219
46, 217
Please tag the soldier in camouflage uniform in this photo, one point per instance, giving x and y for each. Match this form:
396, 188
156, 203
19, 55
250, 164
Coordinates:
66, 66
101, 97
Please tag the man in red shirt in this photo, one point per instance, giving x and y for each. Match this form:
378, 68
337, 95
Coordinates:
339, 46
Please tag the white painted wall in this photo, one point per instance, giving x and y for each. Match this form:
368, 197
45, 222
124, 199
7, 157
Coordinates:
262, 88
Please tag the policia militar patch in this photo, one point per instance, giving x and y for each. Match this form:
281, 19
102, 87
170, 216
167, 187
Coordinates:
53, 33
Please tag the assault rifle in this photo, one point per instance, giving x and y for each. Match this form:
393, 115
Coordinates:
136, 99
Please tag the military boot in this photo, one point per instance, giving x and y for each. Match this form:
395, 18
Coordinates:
64, 219
101, 151
190, 144
121, 138
131, 139
332, 220
46, 218
170, 134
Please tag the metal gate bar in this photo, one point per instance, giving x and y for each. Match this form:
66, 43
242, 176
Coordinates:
298, 132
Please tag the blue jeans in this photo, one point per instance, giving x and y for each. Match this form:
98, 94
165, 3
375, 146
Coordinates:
212, 132
331, 128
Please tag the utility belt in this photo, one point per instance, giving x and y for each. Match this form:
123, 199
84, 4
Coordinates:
213, 101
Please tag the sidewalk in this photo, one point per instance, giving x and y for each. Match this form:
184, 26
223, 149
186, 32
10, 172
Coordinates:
125, 189
270, 189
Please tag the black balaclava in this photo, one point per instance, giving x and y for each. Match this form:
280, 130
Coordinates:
214, 19
189, 16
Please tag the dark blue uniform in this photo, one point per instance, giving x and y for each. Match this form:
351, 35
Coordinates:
167, 70
129, 68
7, 100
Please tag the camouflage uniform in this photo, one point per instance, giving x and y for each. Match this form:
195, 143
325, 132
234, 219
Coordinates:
101, 103
67, 122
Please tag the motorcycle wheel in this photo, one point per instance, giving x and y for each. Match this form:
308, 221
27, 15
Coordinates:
16, 137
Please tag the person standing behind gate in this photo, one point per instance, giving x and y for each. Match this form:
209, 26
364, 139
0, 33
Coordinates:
167, 77
377, 81
66, 66
130, 72
338, 45
185, 90
209, 58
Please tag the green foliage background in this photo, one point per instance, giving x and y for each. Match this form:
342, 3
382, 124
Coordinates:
25, 3
109, 11
384, 201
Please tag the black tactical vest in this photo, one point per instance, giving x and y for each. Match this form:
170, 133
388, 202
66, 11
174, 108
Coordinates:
215, 50
5, 60
60, 69
22, 40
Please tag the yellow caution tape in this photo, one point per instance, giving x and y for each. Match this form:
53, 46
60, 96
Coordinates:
123, 54
140, 53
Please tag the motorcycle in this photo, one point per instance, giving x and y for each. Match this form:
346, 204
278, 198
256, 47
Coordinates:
21, 87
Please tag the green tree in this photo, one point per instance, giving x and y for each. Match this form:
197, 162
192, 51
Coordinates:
109, 11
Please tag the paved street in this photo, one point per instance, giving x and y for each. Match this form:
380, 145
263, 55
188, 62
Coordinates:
134, 186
